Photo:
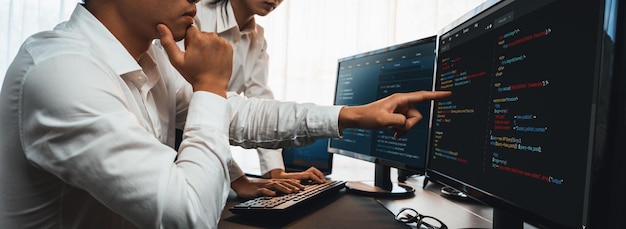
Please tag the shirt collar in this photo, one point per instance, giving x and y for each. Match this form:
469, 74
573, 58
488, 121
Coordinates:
231, 21
110, 50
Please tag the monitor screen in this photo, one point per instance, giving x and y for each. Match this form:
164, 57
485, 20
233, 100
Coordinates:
527, 119
298, 159
369, 76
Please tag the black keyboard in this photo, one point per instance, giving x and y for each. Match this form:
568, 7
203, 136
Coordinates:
288, 203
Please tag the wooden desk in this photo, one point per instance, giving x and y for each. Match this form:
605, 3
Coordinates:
348, 210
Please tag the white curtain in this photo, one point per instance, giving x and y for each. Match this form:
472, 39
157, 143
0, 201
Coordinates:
305, 37
21, 18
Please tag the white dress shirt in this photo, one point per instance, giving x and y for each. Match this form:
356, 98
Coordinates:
250, 64
91, 146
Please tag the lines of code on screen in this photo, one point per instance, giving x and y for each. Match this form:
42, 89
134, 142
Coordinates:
518, 123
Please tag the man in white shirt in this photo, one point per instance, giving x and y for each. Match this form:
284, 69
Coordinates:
234, 21
89, 111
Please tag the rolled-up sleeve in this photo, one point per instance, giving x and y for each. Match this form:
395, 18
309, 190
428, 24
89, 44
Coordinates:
274, 124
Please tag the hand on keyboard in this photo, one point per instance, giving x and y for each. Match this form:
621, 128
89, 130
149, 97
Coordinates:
312, 194
246, 188
312, 173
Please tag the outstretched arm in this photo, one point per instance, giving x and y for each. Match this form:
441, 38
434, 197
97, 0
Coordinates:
275, 124
395, 112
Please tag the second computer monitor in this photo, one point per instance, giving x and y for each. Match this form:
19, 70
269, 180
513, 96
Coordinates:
369, 76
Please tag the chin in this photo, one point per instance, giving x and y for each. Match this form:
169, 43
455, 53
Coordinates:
179, 36
264, 13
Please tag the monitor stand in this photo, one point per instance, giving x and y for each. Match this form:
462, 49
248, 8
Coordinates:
404, 174
382, 186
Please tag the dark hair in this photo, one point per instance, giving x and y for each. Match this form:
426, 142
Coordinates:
215, 2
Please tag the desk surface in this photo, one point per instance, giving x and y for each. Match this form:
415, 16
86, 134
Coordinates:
454, 213
355, 211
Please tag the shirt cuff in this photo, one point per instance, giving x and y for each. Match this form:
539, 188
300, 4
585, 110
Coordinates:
208, 110
269, 160
234, 171
324, 121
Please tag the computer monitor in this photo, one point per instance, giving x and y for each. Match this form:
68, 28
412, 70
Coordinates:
536, 120
298, 159
366, 77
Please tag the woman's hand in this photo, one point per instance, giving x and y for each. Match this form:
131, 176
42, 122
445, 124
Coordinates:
246, 188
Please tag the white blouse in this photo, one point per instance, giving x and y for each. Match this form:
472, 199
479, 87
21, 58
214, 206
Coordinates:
250, 64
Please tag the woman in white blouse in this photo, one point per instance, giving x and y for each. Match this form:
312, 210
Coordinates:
234, 21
